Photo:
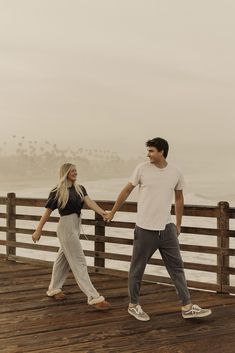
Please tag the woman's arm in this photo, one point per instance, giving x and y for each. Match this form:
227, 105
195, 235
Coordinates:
38, 232
93, 205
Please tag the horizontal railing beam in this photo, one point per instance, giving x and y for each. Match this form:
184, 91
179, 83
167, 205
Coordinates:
3, 200
21, 245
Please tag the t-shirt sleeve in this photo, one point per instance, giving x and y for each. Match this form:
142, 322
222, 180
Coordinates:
135, 177
84, 190
180, 184
51, 201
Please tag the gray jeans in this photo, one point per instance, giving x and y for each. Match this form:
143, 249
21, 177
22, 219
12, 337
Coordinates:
146, 242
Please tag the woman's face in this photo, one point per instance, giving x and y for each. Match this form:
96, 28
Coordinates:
72, 175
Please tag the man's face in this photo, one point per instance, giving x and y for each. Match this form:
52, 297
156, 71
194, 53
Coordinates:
154, 155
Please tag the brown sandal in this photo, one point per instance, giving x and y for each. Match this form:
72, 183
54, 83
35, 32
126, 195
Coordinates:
59, 296
104, 305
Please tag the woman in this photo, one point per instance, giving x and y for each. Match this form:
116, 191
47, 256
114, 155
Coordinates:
69, 197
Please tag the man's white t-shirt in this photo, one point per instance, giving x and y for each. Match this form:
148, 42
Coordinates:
156, 190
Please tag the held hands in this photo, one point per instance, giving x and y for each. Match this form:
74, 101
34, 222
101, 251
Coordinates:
36, 236
108, 216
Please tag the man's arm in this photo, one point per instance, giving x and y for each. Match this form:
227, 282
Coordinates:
179, 207
120, 200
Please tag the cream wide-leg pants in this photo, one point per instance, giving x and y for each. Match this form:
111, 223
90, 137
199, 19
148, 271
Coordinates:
71, 256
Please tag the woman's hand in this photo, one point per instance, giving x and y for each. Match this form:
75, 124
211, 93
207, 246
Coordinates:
38, 232
36, 235
108, 216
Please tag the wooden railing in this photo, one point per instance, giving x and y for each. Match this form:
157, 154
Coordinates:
223, 252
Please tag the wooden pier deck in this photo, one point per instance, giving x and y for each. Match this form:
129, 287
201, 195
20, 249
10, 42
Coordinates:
32, 322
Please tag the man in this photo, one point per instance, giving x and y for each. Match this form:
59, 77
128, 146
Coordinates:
157, 181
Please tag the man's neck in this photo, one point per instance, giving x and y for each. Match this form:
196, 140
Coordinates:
161, 164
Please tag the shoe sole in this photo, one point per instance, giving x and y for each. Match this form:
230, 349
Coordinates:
197, 316
137, 317
101, 309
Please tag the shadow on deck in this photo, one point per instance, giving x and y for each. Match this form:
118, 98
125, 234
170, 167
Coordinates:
32, 322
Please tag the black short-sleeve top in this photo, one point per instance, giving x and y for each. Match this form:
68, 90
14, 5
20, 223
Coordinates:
74, 204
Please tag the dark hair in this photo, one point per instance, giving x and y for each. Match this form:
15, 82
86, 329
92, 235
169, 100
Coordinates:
160, 144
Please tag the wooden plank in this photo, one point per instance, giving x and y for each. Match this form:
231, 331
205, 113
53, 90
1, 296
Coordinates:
3, 200
11, 223
231, 212
107, 239
119, 224
200, 211
29, 246
231, 233
199, 231
124, 334
230, 252
146, 277
200, 249
230, 289
126, 207
29, 231
223, 244
27, 217
28, 260
99, 246
230, 270
37, 202
49, 326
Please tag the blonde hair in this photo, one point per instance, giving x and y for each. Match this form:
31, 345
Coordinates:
62, 193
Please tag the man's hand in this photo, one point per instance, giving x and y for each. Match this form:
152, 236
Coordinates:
108, 216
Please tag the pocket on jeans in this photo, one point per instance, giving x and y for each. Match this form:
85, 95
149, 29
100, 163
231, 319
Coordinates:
136, 233
175, 229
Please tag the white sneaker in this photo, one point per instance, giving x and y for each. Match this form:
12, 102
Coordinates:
138, 313
195, 312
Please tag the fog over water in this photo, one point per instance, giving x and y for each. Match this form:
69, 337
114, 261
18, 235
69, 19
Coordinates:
93, 80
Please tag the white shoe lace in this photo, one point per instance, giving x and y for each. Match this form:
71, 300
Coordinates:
138, 309
195, 309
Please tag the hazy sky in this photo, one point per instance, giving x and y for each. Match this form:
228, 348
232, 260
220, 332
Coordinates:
113, 73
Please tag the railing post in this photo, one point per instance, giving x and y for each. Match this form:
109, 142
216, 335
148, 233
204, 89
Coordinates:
11, 223
99, 246
223, 245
